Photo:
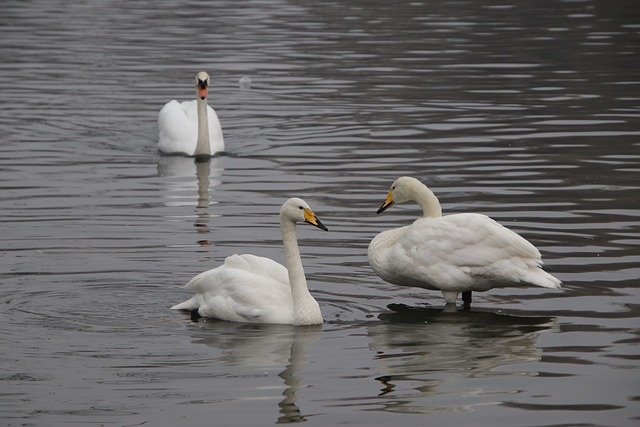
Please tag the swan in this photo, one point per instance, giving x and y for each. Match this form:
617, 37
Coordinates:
253, 289
190, 127
456, 253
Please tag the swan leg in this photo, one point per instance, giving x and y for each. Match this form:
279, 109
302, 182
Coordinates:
450, 296
466, 299
195, 315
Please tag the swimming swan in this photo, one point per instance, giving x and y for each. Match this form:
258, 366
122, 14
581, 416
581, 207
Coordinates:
253, 289
190, 127
453, 253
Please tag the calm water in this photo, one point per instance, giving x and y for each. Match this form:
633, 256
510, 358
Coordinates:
526, 111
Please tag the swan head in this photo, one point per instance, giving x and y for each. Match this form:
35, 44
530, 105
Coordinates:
297, 210
202, 84
402, 190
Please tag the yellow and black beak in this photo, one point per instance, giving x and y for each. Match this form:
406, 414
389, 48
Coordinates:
312, 219
387, 203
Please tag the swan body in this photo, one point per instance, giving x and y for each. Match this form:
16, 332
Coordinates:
454, 253
253, 289
190, 127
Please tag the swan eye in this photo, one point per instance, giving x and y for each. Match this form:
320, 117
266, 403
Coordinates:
301, 208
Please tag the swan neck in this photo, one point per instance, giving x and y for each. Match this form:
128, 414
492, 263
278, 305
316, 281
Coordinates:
202, 145
428, 202
292, 256
297, 279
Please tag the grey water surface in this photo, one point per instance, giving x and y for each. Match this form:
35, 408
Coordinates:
527, 111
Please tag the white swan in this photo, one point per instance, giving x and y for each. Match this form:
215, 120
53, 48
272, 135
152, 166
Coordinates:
253, 289
190, 127
453, 253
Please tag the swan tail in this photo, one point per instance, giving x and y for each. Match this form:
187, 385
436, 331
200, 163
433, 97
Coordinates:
189, 304
539, 277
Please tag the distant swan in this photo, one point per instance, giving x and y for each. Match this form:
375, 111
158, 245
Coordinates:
190, 127
453, 253
253, 289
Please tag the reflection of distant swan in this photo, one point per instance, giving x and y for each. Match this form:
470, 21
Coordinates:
188, 166
190, 127
421, 352
179, 167
180, 171
252, 289
453, 253
263, 347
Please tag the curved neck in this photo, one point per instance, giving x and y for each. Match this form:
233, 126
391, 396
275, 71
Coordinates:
202, 145
428, 202
297, 280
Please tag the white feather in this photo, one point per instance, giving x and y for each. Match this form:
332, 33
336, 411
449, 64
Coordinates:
253, 289
453, 253
178, 128
178, 124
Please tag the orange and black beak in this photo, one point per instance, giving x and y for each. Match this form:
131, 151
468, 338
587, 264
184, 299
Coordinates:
203, 86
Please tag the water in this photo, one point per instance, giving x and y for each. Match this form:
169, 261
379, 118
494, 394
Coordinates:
525, 111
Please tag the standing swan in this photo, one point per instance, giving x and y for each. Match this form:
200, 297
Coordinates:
454, 253
253, 289
190, 127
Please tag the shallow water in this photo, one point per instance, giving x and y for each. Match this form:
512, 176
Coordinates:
526, 112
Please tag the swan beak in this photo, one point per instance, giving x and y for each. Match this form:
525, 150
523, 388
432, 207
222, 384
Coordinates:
387, 203
202, 89
312, 219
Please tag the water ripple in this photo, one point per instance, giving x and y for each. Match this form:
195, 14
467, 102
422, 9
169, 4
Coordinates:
522, 112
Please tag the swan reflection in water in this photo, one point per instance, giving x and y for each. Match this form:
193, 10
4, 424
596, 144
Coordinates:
262, 347
180, 191
429, 358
